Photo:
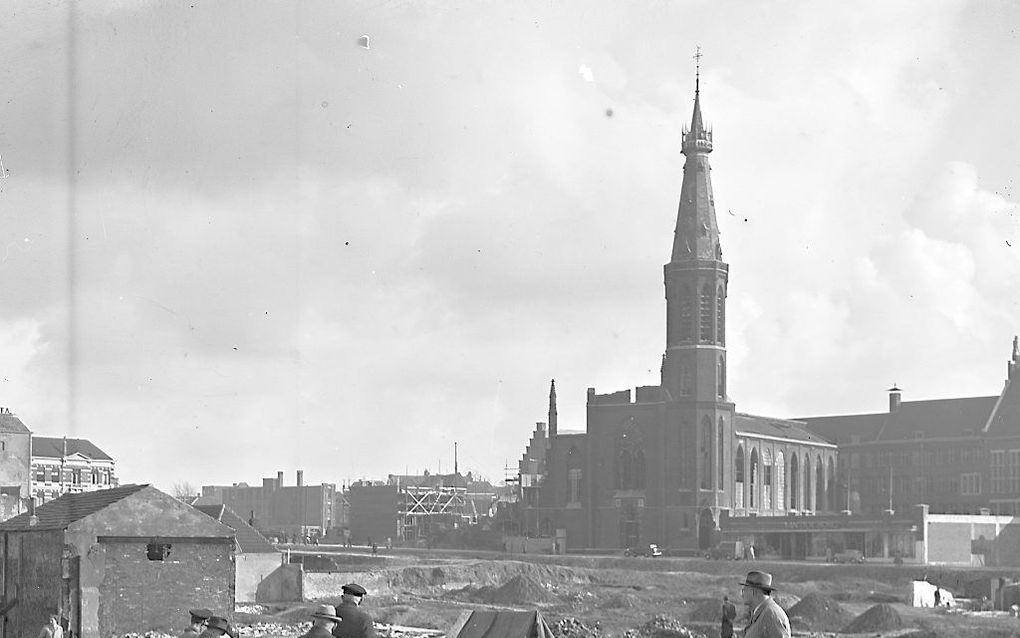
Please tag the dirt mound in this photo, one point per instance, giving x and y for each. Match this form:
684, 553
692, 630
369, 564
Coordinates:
817, 611
663, 627
522, 590
881, 617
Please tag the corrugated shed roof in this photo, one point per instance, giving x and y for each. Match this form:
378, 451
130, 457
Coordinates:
53, 447
249, 540
12, 424
61, 512
781, 428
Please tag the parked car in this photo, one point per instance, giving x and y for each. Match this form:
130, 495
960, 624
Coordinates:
848, 556
650, 550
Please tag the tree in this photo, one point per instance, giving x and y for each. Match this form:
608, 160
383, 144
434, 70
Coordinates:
184, 491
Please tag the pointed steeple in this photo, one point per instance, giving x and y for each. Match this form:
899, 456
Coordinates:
552, 408
697, 232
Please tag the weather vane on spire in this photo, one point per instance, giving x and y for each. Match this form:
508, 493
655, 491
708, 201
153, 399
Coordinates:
697, 67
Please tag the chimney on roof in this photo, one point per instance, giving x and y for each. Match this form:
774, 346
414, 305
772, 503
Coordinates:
279, 479
300, 478
894, 398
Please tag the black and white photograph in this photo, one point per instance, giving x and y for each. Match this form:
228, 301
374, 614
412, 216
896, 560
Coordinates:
477, 319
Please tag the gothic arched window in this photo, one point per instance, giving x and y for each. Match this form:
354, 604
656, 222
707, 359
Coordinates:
574, 485
686, 315
685, 379
707, 325
721, 385
706, 452
738, 477
753, 483
766, 480
780, 481
720, 316
722, 451
794, 482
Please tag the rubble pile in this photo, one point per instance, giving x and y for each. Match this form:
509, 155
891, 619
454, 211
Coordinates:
663, 627
522, 590
283, 630
574, 628
881, 617
818, 611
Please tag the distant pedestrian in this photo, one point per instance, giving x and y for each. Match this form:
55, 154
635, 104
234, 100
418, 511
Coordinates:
52, 628
215, 627
938, 597
767, 618
356, 622
729, 613
750, 552
197, 622
324, 621
375, 549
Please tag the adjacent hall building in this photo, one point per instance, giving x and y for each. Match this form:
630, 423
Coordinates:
660, 463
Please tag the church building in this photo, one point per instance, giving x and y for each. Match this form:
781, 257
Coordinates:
661, 464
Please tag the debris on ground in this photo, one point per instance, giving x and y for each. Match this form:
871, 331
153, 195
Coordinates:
574, 628
818, 611
522, 590
881, 617
663, 627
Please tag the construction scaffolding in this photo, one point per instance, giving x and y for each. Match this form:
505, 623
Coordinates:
428, 509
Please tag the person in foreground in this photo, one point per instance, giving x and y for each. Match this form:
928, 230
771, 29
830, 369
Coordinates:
356, 622
324, 619
767, 618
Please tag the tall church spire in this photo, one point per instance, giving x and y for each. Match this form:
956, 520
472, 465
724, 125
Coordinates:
697, 233
552, 408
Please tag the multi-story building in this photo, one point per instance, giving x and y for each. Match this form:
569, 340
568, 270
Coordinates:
69, 466
275, 509
958, 456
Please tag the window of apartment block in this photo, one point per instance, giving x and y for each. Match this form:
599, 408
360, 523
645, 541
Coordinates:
970, 483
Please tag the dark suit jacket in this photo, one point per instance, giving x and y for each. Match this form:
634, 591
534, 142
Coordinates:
356, 623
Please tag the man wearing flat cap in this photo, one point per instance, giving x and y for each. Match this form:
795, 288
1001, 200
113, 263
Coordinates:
198, 618
356, 623
767, 618
324, 620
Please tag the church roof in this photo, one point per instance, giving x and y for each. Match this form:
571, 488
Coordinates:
777, 428
1005, 419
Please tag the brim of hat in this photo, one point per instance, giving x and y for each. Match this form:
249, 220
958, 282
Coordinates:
757, 586
204, 614
327, 617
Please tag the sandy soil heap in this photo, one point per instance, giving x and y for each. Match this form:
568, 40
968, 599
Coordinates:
819, 612
881, 617
522, 590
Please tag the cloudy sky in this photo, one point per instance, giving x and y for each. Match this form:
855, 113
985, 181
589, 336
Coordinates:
235, 241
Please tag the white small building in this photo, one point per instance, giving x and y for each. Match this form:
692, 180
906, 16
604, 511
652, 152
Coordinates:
68, 466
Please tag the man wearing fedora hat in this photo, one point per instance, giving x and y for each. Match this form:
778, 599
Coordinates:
215, 627
356, 623
324, 619
767, 618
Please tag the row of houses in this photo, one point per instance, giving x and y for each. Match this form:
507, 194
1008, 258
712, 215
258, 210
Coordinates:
42, 468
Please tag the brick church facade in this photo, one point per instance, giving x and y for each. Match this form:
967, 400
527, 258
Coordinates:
660, 464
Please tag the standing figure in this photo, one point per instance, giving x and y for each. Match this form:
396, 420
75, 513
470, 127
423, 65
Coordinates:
355, 622
729, 613
198, 618
52, 628
767, 618
324, 621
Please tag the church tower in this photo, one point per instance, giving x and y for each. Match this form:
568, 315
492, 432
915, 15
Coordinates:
698, 408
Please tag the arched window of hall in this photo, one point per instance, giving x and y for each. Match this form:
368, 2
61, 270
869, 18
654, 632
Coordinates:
707, 334
794, 482
686, 315
738, 478
780, 481
706, 452
753, 482
766, 480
